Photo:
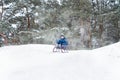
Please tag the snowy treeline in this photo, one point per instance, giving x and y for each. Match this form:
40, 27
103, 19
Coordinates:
85, 23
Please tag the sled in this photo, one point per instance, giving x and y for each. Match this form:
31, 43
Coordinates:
62, 49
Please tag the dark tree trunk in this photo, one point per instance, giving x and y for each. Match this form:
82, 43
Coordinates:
28, 19
5, 38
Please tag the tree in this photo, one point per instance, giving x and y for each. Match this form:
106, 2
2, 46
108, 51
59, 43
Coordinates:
105, 19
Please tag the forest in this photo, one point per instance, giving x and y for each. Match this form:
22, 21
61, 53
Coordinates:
87, 24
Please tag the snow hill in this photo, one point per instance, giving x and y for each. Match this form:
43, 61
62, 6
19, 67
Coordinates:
38, 62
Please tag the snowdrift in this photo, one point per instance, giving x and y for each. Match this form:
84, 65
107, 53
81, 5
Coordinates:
38, 62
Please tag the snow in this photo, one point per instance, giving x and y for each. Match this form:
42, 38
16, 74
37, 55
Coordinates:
38, 62
14, 25
19, 14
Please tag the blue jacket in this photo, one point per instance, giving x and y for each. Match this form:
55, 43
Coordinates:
62, 41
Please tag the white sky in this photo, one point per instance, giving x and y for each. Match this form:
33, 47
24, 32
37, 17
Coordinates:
38, 62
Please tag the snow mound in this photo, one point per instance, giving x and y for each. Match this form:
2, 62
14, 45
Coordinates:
38, 62
110, 50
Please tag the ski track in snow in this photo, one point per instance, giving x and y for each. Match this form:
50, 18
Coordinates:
38, 62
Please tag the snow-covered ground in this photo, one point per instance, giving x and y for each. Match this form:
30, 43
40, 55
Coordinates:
38, 62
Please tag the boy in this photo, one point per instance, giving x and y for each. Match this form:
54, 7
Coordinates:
62, 42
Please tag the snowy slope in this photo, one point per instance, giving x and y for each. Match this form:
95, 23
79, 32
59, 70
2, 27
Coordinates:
38, 62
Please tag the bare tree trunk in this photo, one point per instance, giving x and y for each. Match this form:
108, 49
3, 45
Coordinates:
94, 5
28, 19
86, 35
5, 38
89, 34
2, 11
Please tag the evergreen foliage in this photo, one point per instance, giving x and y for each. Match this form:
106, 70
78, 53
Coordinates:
100, 20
